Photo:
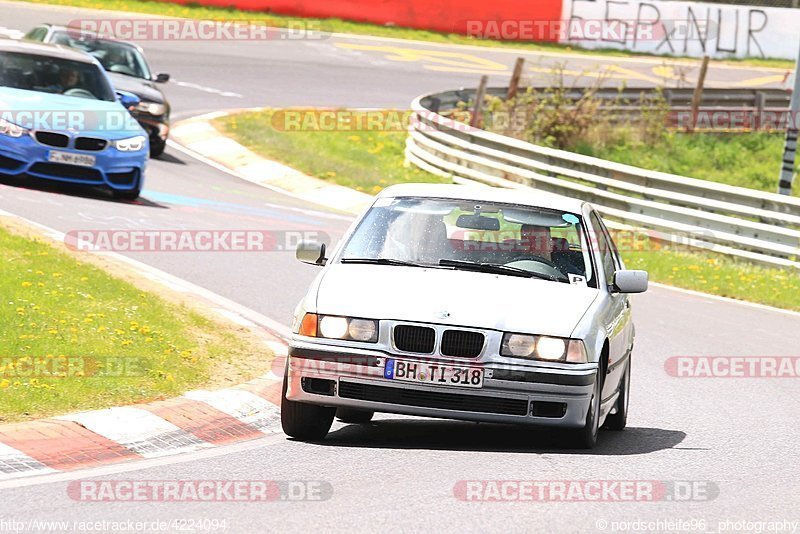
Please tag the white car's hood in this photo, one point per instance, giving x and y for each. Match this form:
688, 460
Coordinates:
478, 300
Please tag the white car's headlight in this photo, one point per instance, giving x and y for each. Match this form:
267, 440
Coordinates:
11, 130
131, 144
153, 108
335, 327
551, 349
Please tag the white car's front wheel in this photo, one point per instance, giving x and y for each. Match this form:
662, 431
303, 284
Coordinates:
306, 422
619, 419
586, 437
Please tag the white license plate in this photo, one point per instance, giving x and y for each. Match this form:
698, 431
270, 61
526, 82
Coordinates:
69, 158
433, 373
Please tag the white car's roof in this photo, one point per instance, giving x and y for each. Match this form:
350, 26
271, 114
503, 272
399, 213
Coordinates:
526, 196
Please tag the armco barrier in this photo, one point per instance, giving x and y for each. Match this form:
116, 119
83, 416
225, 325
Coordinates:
759, 226
450, 16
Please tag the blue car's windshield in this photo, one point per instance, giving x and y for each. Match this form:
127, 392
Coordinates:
33, 72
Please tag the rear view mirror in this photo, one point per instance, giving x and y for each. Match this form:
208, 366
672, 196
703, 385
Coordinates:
162, 77
630, 282
477, 222
128, 100
311, 252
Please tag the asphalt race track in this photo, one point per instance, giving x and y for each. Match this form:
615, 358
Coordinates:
735, 436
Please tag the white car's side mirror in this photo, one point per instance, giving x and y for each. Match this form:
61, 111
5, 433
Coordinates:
311, 252
630, 282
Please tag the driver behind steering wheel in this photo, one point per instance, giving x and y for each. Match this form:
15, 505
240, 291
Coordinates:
68, 78
537, 241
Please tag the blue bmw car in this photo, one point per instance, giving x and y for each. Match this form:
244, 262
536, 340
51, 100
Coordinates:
60, 119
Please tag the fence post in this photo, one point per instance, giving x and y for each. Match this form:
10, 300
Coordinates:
477, 107
698, 93
513, 87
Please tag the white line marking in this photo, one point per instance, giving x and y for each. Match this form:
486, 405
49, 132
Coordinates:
205, 89
141, 465
11, 33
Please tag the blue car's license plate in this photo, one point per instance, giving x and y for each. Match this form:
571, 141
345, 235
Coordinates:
82, 160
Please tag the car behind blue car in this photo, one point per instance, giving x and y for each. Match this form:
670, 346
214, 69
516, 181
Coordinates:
60, 119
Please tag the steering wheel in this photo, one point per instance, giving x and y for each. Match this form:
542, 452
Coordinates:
547, 267
534, 257
77, 91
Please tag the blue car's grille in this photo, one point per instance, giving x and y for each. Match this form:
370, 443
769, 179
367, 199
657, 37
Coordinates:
90, 143
10, 163
59, 170
123, 178
53, 139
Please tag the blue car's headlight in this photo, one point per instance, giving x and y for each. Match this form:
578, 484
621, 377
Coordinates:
131, 144
11, 130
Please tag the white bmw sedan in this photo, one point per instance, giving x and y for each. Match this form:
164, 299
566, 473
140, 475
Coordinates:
478, 304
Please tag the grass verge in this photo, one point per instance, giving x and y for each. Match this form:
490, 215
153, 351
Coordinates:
195, 11
74, 337
370, 161
720, 275
751, 160
366, 160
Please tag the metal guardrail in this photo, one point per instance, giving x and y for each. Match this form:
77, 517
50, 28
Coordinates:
758, 226
750, 99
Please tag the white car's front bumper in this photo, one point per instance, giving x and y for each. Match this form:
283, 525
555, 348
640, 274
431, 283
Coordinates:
336, 376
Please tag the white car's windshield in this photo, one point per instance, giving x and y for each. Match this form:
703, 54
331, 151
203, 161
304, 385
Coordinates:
34, 72
496, 238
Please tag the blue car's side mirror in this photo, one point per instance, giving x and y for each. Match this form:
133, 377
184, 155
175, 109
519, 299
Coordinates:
128, 100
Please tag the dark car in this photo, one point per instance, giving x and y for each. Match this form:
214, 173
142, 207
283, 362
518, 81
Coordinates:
129, 71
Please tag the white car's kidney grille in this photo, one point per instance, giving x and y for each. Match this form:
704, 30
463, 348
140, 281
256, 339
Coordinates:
419, 339
462, 343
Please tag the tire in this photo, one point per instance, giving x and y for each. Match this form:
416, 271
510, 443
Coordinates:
131, 194
157, 147
353, 416
586, 437
618, 420
306, 422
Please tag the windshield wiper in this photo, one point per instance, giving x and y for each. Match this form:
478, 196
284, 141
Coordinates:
384, 261
495, 268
